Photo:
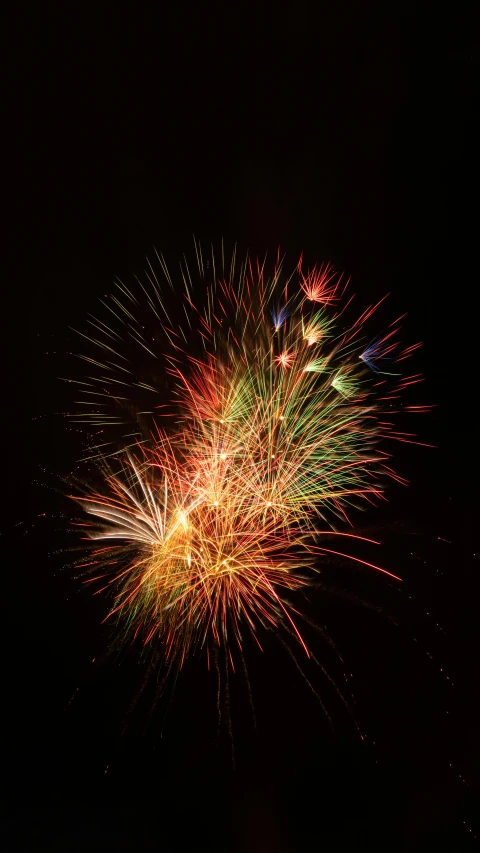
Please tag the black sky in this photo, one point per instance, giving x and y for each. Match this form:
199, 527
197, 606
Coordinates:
344, 130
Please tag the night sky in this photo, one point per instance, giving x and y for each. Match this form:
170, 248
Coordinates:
345, 131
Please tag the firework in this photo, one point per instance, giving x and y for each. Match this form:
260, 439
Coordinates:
235, 438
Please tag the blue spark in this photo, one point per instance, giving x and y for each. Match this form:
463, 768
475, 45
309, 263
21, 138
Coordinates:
279, 316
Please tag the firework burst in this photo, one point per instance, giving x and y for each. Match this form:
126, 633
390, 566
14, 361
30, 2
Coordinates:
235, 438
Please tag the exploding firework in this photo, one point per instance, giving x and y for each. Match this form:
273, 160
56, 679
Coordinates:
242, 419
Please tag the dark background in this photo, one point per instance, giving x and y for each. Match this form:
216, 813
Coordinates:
342, 130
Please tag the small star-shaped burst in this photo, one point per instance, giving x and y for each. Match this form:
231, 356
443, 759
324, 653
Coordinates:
285, 359
319, 285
